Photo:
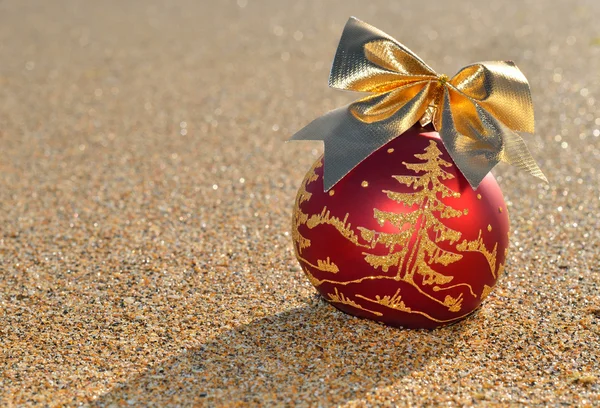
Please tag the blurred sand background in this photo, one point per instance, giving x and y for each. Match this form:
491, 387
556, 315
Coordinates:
146, 196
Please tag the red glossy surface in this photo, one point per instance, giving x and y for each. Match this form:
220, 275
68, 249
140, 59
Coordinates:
345, 238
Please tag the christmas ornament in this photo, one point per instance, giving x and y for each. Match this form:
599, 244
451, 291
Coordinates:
403, 238
398, 224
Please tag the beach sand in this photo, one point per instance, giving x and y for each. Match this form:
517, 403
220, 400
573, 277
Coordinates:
146, 193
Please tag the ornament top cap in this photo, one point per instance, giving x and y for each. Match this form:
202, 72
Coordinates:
477, 112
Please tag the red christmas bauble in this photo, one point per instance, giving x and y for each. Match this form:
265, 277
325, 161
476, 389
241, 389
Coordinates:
403, 238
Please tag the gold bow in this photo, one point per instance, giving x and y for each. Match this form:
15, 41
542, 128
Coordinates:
476, 113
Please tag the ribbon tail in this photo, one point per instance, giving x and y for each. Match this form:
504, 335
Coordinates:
349, 140
473, 156
516, 153
478, 142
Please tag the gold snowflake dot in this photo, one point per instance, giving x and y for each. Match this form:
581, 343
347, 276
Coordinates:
365, 183
499, 209
331, 192
479, 196
466, 211
390, 150
489, 227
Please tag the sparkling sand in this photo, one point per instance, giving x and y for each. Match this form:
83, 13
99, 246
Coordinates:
146, 195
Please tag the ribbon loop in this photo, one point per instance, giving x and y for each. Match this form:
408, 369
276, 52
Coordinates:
502, 89
476, 112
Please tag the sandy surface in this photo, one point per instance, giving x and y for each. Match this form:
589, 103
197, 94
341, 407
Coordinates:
146, 196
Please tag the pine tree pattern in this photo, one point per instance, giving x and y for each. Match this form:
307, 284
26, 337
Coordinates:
422, 226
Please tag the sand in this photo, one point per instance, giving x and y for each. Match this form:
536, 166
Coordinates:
146, 195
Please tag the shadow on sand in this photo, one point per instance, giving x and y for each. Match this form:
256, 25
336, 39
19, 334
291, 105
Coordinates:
315, 354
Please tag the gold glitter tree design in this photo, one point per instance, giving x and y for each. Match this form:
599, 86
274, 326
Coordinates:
423, 226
